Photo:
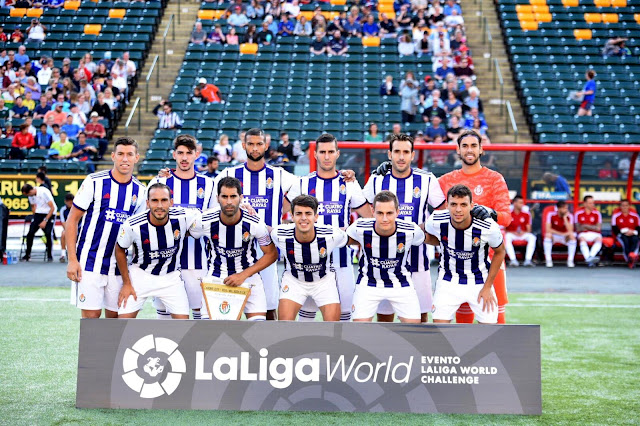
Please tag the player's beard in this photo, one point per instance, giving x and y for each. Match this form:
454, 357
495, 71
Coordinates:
226, 210
185, 169
159, 218
468, 163
252, 158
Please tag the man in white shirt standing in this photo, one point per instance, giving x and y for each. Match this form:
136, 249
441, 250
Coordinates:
43, 208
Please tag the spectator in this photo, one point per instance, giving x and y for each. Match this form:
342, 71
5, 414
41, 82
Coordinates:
458, 42
102, 108
387, 88
370, 28
167, 119
616, 47
55, 4
474, 113
373, 135
250, 36
217, 35
83, 152
409, 95
212, 167
88, 63
454, 129
17, 36
107, 62
426, 88
36, 31
452, 102
95, 130
232, 37
287, 148
463, 53
405, 45
318, 44
559, 183
223, 150
608, 172
210, 92
387, 27
28, 102
473, 100
22, 57
9, 131
436, 17
285, 27
33, 88
255, 10
29, 122
198, 36
55, 133
265, 36
118, 81
273, 26
70, 128
352, 26
22, 142
464, 69
101, 73
444, 70
79, 117
292, 8
3, 39
403, 18
423, 44
588, 93
13, 64
88, 92
61, 150
337, 45
480, 129
19, 110
110, 99
435, 130
623, 168
399, 4
434, 110
129, 65
453, 20
437, 157
43, 139
420, 20
238, 18
4, 111
434, 99
239, 153
452, 6
303, 27
336, 24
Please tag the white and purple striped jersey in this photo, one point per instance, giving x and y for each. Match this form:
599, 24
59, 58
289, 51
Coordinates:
465, 252
195, 193
156, 249
107, 204
336, 199
385, 259
415, 194
263, 189
311, 261
233, 248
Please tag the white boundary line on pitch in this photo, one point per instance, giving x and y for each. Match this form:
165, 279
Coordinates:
30, 299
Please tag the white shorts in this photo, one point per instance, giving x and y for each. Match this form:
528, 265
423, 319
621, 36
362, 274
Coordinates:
168, 288
192, 279
96, 291
403, 300
590, 236
269, 277
346, 283
422, 284
257, 302
527, 236
559, 239
323, 292
448, 298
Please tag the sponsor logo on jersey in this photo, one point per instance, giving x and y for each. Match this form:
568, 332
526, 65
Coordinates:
246, 236
176, 234
215, 237
107, 196
323, 252
164, 253
225, 307
329, 208
384, 263
308, 267
416, 192
116, 216
269, 183
234, 252
406, 209
258, 201
460, 254
146, 241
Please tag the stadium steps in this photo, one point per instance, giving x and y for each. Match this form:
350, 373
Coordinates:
474, 11
188, 13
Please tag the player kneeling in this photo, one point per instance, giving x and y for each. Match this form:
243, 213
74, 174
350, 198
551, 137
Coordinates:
157, 236
309, 271
386, 243
232, 235
466, 275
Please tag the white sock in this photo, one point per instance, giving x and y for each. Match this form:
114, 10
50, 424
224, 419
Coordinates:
511, 252
257, 318
584, 249
595, 248
547, 244
572, 250
306, 316
163, 315
531, 248
345, 316
63, 253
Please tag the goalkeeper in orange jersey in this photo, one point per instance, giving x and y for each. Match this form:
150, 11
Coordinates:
491, 195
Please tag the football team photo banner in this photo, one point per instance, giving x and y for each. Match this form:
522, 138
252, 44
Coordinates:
283, 366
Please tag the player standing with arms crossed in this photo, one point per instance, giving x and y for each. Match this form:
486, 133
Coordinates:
157, 235
233, 234
416, 190
491, 196
336, 199
190, 191
465, 275
103, 203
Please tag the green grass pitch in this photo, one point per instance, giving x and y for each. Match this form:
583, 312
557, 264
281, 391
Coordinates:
590, 367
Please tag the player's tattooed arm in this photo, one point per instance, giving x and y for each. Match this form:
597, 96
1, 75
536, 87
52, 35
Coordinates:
127, 289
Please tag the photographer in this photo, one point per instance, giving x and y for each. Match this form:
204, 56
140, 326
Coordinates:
36, 31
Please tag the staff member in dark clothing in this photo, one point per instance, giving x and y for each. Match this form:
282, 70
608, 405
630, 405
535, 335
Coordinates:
43, 208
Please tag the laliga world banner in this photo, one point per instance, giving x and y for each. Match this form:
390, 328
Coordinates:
283, 366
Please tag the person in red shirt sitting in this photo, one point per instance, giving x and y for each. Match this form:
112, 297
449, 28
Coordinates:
608, 171
519, 230
95, 130
589, 225
559, 230
625, 226
23, 141
210, 92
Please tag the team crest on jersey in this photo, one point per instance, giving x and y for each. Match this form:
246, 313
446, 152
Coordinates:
478, 190
343, 189
122, 231
200, 193
323, 252
246, 236
353, 308
82, 298
416, 192
269, 183
401, 248
225, 307
176, 234
476, 242
134, 200
285, 288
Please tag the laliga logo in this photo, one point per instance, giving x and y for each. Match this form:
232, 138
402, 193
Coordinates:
153, 367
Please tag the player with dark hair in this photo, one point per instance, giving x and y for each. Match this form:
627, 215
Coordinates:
588, 222
625, 226
44, 209
491, 199
102, 204
64, 215
337, 198
309, 272
465, 274
189, 190
559, 230
519, 230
